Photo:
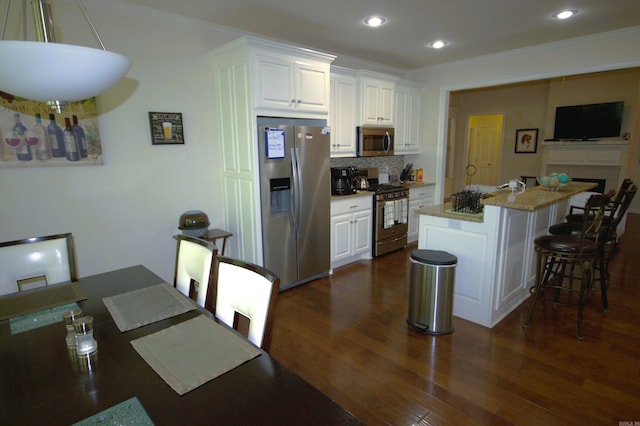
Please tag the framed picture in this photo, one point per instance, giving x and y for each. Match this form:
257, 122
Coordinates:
166, 128
526, 141
32, 135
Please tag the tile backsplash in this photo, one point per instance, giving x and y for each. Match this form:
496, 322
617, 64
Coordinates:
393, 161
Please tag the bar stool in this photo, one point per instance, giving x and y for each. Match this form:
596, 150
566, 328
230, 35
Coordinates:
608, 238
559, 257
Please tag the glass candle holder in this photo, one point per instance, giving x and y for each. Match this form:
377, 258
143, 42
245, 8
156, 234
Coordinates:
69, 317
85, 343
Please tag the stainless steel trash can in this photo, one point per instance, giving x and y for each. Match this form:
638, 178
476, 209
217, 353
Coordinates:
431, 291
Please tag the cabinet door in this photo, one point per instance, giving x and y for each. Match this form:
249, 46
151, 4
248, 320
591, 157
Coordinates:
402, 121
274, 85
370, 101
412, 233
386, 103
418, 198
343, 122
341, 237
311, 86
407, 120
412, 143
362, 232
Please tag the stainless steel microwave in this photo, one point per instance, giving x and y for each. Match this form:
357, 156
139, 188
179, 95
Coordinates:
375, 141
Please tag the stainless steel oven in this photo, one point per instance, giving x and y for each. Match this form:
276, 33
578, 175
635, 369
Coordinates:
375, 141
390, 218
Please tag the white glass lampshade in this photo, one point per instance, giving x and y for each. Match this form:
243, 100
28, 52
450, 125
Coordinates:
54, 71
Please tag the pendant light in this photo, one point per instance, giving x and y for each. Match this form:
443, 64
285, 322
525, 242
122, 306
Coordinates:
71, 73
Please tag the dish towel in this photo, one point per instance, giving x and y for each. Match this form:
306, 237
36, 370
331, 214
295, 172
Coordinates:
389, 214
404, 210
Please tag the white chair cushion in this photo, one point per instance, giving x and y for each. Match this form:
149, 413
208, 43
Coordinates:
244, 291
194, 263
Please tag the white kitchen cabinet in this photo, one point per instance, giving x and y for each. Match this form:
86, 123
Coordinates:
342, 114
286, 83
377, 99
351, 229
407, 118
256, 77
419, 197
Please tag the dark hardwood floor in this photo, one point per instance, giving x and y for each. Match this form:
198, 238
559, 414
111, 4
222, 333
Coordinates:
347, 335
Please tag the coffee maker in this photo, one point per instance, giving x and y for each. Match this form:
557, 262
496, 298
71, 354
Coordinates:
342, 180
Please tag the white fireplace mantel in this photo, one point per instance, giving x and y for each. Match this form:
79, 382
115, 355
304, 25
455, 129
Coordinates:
596, 153
595, 159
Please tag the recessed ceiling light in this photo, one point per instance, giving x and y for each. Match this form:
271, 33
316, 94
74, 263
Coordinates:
565, 14
438, 44
375, 21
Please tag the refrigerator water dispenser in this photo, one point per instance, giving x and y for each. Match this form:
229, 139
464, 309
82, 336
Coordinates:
280, 190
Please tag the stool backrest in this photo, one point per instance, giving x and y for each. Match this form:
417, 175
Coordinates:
620, 206
35, 262
595, 212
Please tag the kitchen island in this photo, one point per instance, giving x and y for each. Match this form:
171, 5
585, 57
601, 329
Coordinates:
496, 256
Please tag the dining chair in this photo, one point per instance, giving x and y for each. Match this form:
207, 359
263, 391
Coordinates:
242, 291
192, 270
563, 259
37, 262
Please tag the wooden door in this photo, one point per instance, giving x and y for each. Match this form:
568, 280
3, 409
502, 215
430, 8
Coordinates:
483, 149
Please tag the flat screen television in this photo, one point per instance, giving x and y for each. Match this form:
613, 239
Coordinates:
591, 121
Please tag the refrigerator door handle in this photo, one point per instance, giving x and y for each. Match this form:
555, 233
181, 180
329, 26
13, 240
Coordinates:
299, 195
295, 171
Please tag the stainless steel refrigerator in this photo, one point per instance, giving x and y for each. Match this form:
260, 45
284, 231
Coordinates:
295, 198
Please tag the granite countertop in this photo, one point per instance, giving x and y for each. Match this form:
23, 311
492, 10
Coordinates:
537, 197
361, 193
444, 210
410, 184
530, 200
357, 194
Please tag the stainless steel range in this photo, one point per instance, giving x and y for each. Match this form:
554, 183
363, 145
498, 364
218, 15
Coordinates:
390, 218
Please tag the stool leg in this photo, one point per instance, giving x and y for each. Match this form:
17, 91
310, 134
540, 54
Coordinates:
604, 272
586, 267
541, 276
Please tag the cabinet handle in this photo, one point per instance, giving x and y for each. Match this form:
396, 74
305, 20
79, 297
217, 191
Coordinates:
293, 101
353, 207
299, 101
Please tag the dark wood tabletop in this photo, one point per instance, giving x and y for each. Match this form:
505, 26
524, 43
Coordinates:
39, 385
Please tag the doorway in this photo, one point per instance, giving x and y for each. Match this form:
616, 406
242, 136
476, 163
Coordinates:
484, 145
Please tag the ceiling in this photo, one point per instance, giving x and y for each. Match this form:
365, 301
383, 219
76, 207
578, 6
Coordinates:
472, 27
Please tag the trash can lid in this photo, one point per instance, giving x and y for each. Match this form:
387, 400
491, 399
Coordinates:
434, 257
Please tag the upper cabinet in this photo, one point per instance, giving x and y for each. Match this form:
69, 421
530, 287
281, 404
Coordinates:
342, 116
407, 115
377, 97
286, 82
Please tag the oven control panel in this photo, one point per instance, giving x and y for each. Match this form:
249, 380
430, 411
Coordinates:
390, 196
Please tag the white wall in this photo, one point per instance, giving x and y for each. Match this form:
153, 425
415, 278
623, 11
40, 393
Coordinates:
607, 51
125, 212
524, 107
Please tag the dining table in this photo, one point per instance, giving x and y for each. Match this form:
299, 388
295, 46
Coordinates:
39, 383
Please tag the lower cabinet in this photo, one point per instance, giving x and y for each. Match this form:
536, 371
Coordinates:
351, 229
418, 198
